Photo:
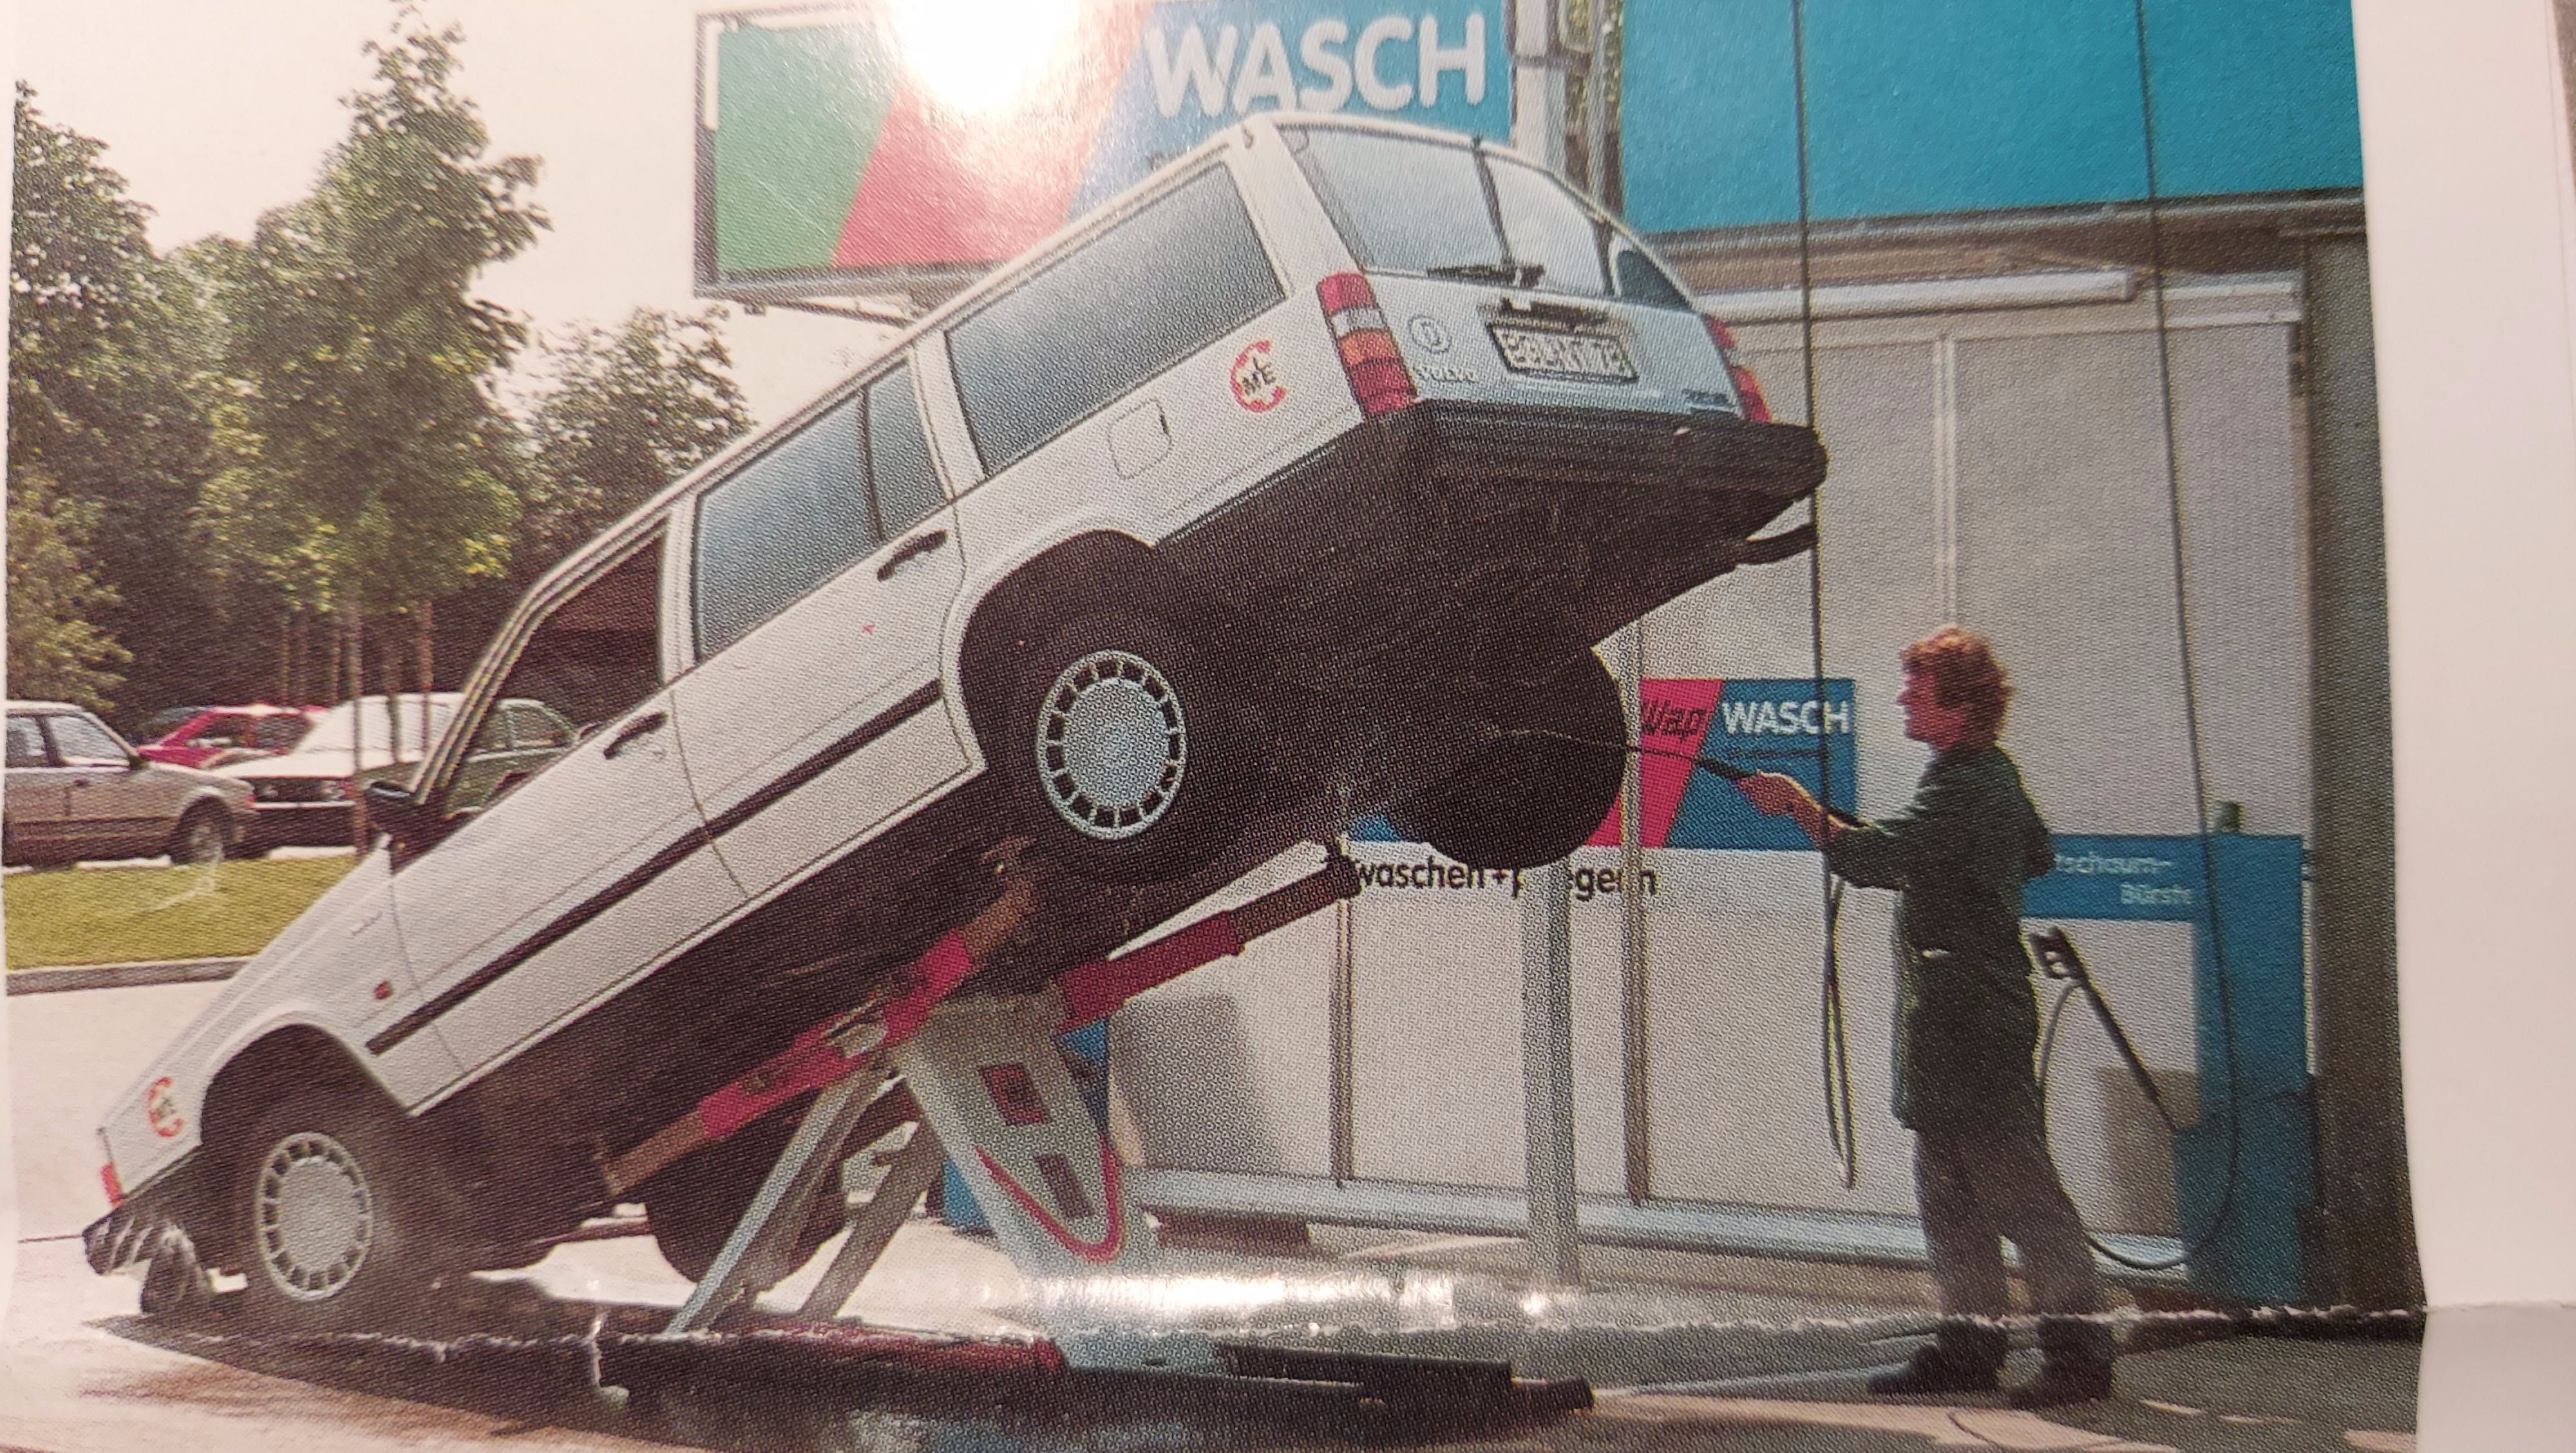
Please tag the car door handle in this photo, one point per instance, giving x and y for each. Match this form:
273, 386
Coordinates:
636, 731
910, 550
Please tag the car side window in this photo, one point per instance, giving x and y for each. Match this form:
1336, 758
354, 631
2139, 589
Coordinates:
785, 523
907, 483
82, 742
1092, 325
26, 743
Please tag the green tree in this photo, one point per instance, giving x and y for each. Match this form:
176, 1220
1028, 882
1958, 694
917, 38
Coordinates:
105, 340
54, 650
368, 466
628, 410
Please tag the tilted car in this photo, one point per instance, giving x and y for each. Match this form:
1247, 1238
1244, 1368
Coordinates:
214, 736
1294, 485
77, 791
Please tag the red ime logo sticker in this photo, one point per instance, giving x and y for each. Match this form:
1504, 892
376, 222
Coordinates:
160, 1106
1256, 379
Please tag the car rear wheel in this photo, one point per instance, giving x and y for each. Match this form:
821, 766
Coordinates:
693, 1204
201, 839
1131, 750
338, 1225
1542, 788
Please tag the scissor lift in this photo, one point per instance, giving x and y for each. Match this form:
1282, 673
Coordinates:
984, 1083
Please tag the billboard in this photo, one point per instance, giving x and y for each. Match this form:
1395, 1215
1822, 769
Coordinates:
903, 146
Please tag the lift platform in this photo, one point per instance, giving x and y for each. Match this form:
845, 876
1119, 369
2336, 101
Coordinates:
982, 1081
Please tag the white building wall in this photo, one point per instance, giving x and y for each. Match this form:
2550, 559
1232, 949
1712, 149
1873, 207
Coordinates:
2004, 467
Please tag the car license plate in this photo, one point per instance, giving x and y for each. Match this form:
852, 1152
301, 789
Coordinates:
1573, 355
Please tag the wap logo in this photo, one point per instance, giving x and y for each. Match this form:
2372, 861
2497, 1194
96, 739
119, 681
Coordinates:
1768, 725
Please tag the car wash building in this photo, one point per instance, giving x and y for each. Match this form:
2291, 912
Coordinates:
2082, 314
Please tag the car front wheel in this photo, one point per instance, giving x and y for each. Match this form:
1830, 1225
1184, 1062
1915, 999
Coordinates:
337, 1224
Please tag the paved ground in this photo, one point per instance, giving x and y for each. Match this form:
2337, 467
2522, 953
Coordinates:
1689, 1352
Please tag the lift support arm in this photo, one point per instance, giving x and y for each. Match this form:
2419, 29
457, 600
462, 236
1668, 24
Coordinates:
847, 1043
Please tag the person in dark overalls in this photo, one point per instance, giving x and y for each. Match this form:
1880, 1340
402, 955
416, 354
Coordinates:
1966, 1025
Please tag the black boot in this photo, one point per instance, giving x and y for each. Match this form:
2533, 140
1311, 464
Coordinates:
2076, 1365
1964, 1356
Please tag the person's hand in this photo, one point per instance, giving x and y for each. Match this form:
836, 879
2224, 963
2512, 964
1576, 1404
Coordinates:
1776, 794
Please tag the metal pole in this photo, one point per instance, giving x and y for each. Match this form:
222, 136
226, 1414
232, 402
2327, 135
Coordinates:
2363, 1237
1342, 1130
1636, 1142
1538, 86
1596, 106
1547, 1072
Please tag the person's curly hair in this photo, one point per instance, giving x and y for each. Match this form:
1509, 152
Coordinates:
1963, 671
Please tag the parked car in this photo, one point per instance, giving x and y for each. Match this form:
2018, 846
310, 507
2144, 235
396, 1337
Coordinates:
76, 790
1296, 484
308, 797
214, 736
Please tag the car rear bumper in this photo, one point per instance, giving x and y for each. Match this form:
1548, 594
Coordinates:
1491, 444
1450, 544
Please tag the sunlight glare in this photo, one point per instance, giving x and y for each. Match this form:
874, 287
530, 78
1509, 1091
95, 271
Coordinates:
980, 56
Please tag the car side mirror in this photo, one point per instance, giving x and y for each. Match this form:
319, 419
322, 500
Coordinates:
391, 806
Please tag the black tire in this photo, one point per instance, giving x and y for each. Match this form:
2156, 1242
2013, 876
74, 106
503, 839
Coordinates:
694, 1203
1180, 791
338, 1218
201, 839
1531, 798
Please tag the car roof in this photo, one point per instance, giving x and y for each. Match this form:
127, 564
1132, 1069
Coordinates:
640, 523
44, 706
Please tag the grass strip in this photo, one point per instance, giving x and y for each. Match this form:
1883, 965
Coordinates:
129, 915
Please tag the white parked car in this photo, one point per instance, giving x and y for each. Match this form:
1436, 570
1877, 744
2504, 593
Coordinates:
1277, 492
77, 791
307, 797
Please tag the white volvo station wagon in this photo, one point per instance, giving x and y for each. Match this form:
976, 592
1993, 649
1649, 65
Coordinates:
1292, 486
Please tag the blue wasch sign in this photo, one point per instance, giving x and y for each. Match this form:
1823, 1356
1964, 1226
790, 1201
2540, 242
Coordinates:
1937, 106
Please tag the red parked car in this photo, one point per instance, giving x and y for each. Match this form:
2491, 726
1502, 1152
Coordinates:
209, 736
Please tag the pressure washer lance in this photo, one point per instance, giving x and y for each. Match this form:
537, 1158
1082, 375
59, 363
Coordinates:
1718, 766
2059, 960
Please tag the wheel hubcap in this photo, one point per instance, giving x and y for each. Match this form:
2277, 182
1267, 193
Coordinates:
205, 842
316, 1216
1112, 745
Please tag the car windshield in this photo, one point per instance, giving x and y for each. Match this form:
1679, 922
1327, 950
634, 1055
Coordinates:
161, 723
338, 730
1445, 209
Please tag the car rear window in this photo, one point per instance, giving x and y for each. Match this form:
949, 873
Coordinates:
1410, 205
279, 733
1184, 271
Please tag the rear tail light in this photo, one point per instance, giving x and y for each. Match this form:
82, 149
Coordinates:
1746, 387
1376, 370
115, 1188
